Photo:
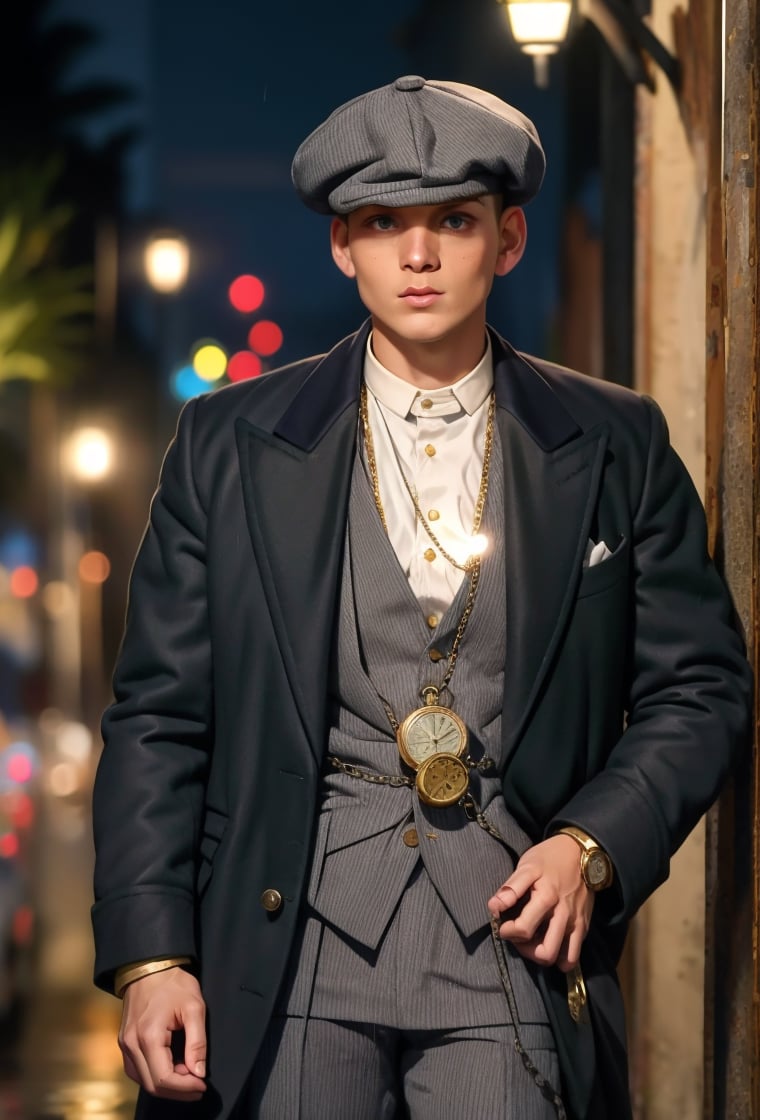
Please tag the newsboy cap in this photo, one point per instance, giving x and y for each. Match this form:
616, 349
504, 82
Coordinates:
416, 142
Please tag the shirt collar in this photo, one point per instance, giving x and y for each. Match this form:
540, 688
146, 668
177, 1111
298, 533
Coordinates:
403, 398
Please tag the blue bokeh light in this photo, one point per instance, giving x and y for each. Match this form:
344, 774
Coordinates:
185, 383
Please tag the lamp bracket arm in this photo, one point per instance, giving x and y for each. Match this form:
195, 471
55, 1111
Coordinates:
646, 39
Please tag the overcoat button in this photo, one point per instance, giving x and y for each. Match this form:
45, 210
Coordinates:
271, 900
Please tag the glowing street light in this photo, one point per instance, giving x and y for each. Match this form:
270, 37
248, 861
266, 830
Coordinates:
539, 27
167, 261
89, 454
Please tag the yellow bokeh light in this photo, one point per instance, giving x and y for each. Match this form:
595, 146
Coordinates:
63, 779
57, 598
210, 362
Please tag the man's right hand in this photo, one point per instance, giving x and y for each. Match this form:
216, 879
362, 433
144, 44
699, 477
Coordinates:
155, 1007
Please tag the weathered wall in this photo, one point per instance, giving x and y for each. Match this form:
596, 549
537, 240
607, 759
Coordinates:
668, 950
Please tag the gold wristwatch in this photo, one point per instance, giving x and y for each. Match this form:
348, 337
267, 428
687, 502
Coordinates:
596, 866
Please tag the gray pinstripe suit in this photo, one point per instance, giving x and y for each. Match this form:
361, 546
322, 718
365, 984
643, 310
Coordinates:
397, 935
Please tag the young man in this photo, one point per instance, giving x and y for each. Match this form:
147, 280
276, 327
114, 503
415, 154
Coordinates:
426, 675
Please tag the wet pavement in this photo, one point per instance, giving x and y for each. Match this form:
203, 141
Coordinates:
59, 1056
63, 1063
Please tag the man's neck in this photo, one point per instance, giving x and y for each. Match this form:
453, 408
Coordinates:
428, 365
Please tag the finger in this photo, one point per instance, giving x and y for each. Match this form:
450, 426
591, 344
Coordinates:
549, 945
504, 899
195, 1039
180, 1087
169, 1081
130, 1068
136, 1067
571, 954
510, 892
527, 924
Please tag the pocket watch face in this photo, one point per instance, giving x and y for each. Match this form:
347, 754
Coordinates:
428, 731
442, 780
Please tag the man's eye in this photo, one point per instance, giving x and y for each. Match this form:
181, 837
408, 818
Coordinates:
382, 221
456, 221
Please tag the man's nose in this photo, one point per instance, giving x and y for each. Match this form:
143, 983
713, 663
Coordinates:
419, 249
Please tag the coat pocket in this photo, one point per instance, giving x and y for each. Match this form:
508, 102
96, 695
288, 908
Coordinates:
214, 828
598, 578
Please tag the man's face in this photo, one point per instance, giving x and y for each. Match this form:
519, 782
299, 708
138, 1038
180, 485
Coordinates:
424, 272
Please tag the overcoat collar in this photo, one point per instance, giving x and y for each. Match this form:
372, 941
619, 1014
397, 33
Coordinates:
296, 479
334, 385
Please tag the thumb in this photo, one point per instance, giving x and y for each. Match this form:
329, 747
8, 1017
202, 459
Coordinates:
195, 1042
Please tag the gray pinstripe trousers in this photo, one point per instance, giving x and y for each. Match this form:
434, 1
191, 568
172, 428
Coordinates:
314, 1069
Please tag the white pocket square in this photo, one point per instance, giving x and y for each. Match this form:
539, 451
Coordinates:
595, 553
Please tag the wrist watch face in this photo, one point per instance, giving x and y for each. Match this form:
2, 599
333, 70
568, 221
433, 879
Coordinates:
596, 870
429, 731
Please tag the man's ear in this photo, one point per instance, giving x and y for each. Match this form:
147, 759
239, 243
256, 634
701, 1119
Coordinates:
513, 237
341, 250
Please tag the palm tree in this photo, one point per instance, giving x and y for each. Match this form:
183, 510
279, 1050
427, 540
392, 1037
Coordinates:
55, 189
43, 304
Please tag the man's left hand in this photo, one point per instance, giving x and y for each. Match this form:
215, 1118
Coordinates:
554, 905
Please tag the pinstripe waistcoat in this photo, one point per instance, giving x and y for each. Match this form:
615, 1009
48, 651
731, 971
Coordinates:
362, 866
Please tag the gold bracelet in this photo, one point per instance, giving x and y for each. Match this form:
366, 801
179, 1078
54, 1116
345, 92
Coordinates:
129, 973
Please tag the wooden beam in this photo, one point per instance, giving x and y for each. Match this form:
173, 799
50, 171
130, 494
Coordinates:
732, 1034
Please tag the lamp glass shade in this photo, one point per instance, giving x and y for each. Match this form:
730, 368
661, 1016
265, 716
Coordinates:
539, 23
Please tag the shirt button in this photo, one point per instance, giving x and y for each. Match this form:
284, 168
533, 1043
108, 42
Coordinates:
429, 450
433, 515
429, 554
435, 655
271, 900
432, 621
410, 838
427, 403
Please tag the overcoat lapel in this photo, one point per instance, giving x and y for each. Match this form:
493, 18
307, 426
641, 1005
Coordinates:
296, 480
552, 472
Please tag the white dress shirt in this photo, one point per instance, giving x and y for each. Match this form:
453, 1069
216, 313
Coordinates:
436, 437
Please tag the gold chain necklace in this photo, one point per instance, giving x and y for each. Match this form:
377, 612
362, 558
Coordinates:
432, 739
480, 501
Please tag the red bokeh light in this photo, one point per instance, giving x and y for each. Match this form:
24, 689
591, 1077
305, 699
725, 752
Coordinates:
24, 582
246, 293
265, 337
8, 845
22, 811
19, 768
243, 365
23, 925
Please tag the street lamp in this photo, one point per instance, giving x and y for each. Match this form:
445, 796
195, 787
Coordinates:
86, 459
89, 454
167, 261
539, 27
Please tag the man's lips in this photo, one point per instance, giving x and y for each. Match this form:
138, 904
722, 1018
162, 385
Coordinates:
420, 297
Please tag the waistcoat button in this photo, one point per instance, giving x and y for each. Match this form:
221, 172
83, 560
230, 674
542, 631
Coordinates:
410, 838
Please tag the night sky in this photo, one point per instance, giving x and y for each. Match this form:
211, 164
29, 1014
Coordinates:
225, 92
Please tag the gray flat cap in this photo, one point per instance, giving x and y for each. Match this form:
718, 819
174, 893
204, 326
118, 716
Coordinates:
416, 142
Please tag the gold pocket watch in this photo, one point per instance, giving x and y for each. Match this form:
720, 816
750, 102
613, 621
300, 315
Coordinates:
433, 740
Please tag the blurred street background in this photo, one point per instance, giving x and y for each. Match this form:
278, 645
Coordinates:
152, 247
